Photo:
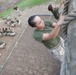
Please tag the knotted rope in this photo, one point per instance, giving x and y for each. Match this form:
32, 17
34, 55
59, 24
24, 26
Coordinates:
70, 17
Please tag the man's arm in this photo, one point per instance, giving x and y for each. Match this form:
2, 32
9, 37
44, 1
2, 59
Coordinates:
55, 31
61, 3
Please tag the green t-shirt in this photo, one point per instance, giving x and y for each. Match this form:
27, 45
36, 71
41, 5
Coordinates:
38, 34
56, 13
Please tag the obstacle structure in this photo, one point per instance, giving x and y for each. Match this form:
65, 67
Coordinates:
69, 31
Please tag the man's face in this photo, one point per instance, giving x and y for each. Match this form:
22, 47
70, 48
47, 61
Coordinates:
52, 6
39, 22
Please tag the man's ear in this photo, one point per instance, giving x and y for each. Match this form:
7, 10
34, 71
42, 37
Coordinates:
33, 24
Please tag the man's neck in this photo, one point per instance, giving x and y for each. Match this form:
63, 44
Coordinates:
40, 28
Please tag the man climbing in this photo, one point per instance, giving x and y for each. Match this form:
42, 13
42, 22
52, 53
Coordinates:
47, 33
55, 10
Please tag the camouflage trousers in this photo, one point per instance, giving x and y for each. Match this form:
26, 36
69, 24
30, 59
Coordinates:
58, 51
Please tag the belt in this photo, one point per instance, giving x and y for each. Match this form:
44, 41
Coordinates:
57, 46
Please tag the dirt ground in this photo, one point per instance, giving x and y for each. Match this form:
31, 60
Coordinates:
4, 5
11, 42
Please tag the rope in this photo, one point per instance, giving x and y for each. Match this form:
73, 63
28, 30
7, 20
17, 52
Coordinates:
65, 10
70, 17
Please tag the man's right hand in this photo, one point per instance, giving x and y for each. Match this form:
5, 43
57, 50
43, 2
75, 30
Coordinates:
61, 19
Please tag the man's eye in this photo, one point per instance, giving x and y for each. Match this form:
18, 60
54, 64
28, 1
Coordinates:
39, 22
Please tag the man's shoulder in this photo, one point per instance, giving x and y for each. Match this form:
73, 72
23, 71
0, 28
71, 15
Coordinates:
48, 22
36, 32
38, 35
56, 9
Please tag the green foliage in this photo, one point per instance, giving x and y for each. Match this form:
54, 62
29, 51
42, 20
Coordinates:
30, 3
23, 4
6, 12
56, 1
